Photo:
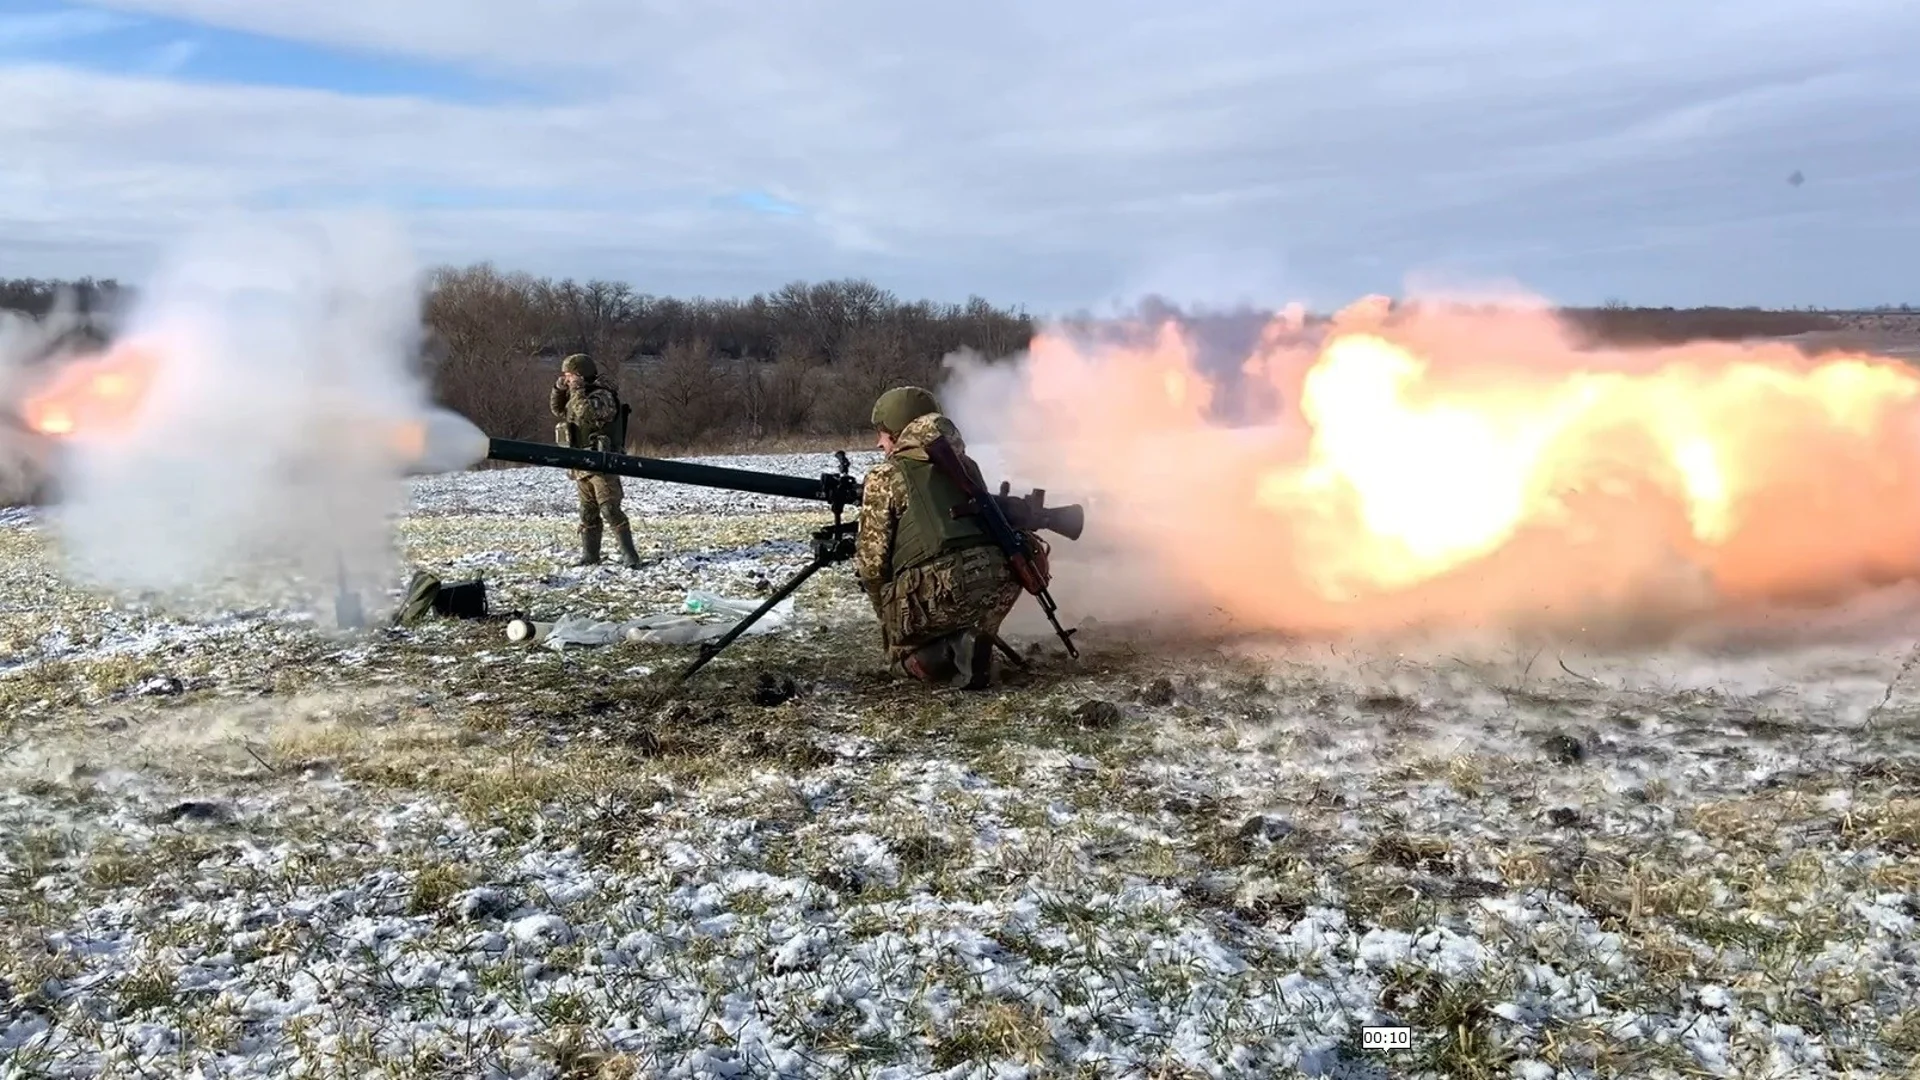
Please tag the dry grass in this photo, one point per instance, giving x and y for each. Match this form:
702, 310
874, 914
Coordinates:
1209, 813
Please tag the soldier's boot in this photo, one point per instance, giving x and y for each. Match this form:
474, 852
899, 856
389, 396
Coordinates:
972, 660
589, 547
932, 662
628, 556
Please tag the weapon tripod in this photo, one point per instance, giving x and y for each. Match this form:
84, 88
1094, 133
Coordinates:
831, 544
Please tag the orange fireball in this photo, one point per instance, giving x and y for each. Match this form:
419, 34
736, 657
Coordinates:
100, 396
1467, 467
94, 396
1409, 477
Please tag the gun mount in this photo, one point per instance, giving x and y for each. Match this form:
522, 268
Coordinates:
1031, 512
831, 544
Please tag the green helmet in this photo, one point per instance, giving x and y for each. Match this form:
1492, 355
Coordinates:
579, 364
901, 406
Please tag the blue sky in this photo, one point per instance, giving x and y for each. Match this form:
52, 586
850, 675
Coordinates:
1066, 154
121, 42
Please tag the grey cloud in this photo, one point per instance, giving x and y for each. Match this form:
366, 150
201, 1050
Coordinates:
1059, 153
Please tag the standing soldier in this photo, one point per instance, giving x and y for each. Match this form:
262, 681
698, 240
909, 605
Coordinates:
592, 418
939, 584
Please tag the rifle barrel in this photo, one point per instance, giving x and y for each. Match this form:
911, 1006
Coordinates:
824, 488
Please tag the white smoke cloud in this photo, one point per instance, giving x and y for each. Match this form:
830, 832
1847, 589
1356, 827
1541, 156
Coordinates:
261, 461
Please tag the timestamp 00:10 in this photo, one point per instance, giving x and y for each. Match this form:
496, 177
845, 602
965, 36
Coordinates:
1386, 1038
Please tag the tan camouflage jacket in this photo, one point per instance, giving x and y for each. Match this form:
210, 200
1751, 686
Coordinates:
885, 499
589, 411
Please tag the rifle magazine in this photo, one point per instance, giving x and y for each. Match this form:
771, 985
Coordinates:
1040, 552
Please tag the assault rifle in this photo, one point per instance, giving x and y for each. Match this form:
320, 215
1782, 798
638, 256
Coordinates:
1029, 563
833, 543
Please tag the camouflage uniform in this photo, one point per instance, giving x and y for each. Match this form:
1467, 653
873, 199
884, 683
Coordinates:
589, 417
939, 612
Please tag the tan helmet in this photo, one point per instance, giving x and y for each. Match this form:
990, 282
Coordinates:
579, 364
901, 406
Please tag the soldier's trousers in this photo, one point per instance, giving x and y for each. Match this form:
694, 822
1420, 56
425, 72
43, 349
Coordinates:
972, 589
600, 496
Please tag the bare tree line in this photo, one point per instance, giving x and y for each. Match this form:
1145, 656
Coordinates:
806, 359
39, 296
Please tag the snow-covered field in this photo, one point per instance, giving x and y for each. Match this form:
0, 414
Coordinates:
243, 847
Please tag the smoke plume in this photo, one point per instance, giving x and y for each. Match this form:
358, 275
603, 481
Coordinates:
248, 432
1437, 466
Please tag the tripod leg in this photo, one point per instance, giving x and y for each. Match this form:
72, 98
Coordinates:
1007, 650
711, 649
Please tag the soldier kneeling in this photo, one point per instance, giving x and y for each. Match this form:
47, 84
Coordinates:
939, 584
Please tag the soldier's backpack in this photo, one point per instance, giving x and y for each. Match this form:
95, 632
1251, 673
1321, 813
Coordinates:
426, 593
620, 428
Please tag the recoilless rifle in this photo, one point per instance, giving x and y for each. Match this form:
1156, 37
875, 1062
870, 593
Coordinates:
1007, 518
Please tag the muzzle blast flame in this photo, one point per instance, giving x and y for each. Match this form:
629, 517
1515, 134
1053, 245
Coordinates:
1443, 467
98, 399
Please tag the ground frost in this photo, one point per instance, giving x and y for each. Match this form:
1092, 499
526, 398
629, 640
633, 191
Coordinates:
235, 846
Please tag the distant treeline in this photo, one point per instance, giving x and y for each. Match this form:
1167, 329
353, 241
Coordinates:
804, 360
36, 296
1617, 324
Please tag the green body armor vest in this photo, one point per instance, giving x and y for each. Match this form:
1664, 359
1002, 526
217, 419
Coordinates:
928, 529
612, 438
